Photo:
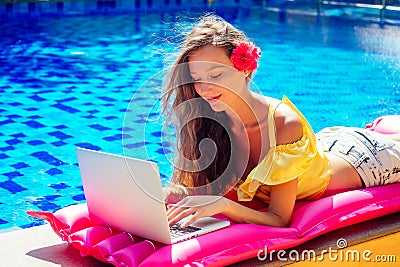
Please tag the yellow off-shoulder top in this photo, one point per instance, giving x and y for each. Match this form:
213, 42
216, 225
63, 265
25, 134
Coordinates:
303, 159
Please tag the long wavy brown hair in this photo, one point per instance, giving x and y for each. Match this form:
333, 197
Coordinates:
205, 168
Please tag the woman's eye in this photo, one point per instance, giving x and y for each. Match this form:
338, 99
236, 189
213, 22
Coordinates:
216, 76
195, 80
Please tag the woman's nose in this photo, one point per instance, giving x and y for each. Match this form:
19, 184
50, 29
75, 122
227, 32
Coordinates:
204, 87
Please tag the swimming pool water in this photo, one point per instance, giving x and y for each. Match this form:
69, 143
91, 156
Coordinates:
67, 81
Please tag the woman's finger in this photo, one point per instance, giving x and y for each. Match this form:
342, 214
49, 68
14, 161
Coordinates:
179, 214
173, 207
192, 219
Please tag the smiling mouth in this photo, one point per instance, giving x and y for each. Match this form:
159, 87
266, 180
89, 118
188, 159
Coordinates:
213, 99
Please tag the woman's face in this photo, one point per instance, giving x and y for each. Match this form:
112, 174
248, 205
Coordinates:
215, 78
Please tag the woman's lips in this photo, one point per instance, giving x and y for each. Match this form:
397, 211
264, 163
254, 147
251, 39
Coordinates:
213, 98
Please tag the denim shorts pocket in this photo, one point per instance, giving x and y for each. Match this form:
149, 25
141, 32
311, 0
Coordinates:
375, 142
327, 142
353, 154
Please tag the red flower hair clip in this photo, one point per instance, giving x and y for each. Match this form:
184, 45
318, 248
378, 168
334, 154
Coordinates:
245, 56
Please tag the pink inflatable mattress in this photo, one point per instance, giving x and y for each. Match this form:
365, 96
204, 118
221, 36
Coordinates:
237, 242
226, 246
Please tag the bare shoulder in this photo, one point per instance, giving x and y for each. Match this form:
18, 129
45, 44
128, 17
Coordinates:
289, 128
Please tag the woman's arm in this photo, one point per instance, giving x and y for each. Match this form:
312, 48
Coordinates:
282, 200
283, 197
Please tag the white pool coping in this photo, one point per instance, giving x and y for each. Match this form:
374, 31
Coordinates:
40, 247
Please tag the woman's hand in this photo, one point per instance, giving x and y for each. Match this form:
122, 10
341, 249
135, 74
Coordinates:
198, 206
282, 200
174, 193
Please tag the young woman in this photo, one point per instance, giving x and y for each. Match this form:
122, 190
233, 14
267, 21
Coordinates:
230, 139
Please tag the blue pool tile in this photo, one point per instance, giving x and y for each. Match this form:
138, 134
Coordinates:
65, 108
126, 129
31, 109
141, 121
80, 197
60, 135
80, 187
59, 186
156, 134
35, 86
125, 136
164, 144
34, 117
37, 98
31, 7
6, 122
15, 104
135, 145
113, 138
60, 127
67, 99
163, 176
140, 98
110, 138
89, 117
20, 165
108, 99
108, 105
153, 114
59, 143
46, 91
99, 127
3, 156
34, 124
13, 141
6, 148
18, 135
51, 197
12, 187
34, 222
162, 151
13, 174
110, 118
13, 116
46, 205
147, 105
36, 142
57, 74
88, 146
46, 157
54, 171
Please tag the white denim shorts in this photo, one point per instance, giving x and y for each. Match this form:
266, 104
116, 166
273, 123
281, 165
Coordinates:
376, 157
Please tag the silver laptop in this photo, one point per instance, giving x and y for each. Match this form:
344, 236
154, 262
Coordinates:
126, 194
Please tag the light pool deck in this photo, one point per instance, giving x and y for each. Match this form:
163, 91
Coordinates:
40, 246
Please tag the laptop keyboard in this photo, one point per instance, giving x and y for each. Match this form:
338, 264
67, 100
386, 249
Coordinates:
177, 231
